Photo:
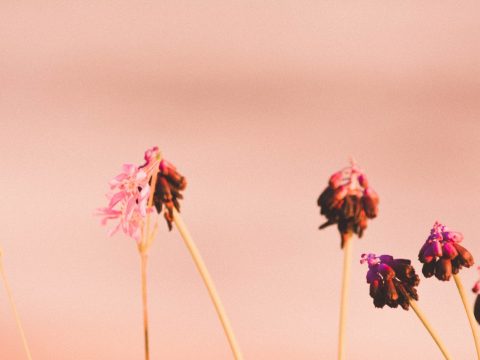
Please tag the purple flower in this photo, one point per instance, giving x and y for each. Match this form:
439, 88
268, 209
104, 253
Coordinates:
348, 201
392, 281
442, 255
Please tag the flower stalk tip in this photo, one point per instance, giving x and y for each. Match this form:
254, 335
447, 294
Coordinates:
348, 201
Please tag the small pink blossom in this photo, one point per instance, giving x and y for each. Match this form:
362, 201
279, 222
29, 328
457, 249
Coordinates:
127, 201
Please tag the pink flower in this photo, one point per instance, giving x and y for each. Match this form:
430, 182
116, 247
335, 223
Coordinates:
130, 192
442, 255
127, 201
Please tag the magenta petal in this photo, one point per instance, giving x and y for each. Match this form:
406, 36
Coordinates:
437, 248
453, 236
449, 251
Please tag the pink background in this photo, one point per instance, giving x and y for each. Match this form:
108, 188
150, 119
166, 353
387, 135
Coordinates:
257, 103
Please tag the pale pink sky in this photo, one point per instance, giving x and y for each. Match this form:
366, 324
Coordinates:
257, 103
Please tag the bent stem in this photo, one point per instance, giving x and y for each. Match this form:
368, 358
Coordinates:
202, 269
469, 311
429, 328
347, 255
14, 307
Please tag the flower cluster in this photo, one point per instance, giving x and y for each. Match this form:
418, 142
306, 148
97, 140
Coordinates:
130, 193
127, 201
392, 281
348, 201
442, 255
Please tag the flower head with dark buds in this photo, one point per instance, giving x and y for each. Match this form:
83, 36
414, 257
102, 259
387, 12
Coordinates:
442, 255
348, 201
392, 281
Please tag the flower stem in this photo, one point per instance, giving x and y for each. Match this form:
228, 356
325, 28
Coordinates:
148, 238
14, 307
469, 311
347, 255
202, 269
429, 328
144, 257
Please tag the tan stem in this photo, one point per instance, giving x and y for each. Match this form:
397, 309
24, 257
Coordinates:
347, 255
202, 269
14, 308
469, 311
429, 328
148, 237
144, 258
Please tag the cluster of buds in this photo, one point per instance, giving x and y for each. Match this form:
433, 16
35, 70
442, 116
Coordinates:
348, 201
442, 255
392, 281
131, 191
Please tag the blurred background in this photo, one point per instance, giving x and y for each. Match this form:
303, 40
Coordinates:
256, 103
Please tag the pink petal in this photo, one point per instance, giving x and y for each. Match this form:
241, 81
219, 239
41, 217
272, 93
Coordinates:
116, 198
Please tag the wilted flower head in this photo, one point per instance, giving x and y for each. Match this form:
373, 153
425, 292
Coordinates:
392, 281
442, 255
167, 190
130, 191
348, 201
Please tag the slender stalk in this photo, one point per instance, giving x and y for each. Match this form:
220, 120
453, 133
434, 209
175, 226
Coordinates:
429, 328
148, 238
469, 311
143, 246
14, 307
202, 269
144, 258
347, 255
